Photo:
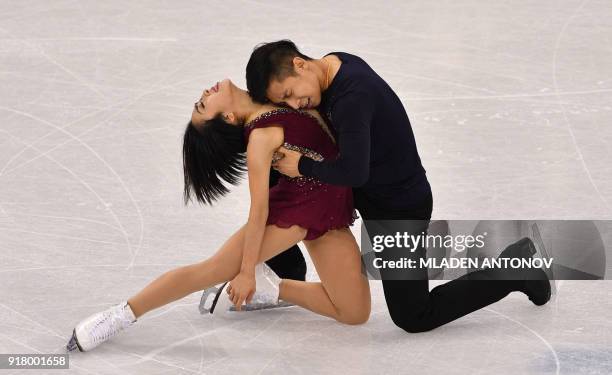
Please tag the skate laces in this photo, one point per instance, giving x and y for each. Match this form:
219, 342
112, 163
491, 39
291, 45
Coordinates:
117, 322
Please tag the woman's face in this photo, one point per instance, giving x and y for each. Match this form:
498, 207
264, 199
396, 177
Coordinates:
218, 99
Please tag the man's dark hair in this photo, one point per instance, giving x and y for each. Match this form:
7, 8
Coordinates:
269, 61
213, 155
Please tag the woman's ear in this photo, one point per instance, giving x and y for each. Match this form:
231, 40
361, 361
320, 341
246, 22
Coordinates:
230, 118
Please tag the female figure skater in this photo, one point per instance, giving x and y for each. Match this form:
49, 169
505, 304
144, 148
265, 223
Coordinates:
225, 123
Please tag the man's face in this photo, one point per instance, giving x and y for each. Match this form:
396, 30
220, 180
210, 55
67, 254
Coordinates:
298, 91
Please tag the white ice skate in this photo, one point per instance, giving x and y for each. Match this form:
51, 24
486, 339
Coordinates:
215, 299
100, 327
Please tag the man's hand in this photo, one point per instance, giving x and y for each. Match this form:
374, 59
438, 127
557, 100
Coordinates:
288, 164
241, 289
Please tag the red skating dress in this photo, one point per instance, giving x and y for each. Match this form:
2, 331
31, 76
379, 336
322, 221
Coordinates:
305, 201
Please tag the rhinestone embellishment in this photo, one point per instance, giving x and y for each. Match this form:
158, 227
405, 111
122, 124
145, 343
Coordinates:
303, 181
287, 110
266, 115
305, 151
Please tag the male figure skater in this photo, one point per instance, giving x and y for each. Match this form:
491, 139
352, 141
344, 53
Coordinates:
379, 159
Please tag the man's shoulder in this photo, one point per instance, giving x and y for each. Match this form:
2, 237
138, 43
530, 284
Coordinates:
357, 85
346, 56
356, 72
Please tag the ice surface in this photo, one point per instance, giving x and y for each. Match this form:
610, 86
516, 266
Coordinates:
510, 103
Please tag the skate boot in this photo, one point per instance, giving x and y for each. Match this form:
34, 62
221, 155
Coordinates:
521, 249
215, 301
99, 327
536, 286
534, 282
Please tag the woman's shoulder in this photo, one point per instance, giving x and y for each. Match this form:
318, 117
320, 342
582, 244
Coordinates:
267, 125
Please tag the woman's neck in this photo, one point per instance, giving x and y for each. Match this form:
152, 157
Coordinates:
250, 109
247, 107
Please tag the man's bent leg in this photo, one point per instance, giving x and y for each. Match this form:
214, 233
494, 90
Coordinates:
415, 309
411, 305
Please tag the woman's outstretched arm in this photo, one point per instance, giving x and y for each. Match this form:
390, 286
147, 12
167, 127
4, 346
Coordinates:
262, 144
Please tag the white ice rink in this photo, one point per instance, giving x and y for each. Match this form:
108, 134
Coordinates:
510, 102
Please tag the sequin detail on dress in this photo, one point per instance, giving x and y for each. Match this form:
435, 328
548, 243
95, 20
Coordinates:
265, 115
273, 112
303, 180
305, 201
304, 151
309, 153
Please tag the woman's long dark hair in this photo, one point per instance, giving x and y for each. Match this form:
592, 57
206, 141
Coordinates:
213, 155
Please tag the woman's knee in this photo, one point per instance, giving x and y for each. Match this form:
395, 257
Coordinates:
356, 313
354, 317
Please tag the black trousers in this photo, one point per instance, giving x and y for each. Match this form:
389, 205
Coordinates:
290, 264
412, 306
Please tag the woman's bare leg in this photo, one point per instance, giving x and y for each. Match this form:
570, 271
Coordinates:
224, 265
344, 292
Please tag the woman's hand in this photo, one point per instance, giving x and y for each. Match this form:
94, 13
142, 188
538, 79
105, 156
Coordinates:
241, 289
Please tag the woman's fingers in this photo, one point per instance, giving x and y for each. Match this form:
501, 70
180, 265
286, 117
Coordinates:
231, 293
236, 301
249, 297
238, 297
239, 303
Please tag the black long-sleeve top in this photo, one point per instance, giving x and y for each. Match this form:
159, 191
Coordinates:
378, 153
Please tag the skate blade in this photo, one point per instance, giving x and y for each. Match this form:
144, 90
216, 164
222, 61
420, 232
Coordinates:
73, 343
539, 243
214, 293
225, 308
261, 306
